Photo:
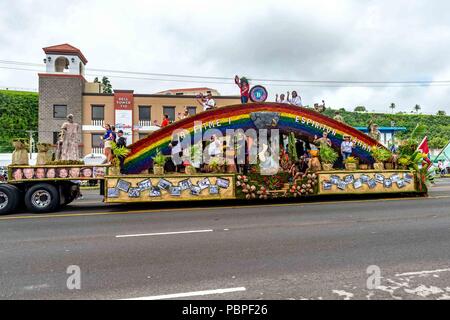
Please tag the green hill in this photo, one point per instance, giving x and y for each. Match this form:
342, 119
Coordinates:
438, 126
18, 112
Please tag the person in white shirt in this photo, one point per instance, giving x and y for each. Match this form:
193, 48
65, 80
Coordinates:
296, 100
208, 103
215, 147
281, 99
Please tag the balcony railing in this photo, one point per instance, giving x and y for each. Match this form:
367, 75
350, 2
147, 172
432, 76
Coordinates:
97, 150
145, 123
97, 122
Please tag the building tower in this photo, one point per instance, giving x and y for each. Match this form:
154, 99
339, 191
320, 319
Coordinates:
60, 89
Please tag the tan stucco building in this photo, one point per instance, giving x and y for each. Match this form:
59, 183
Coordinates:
63, 89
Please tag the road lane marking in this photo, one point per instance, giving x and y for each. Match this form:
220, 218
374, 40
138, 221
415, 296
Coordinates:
418, 273
190, 294
298, 204
161, 233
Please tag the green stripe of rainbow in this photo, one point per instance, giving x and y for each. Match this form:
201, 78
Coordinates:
300, 120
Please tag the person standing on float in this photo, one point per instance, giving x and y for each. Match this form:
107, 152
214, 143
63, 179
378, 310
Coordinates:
243, 84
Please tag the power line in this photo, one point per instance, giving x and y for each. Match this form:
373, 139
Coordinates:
348, 82
325, 85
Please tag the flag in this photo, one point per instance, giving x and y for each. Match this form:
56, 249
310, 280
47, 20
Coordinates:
423, 147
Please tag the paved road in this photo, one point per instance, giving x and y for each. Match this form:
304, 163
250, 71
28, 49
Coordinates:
282, 251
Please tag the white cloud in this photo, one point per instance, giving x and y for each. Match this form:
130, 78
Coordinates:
309, 40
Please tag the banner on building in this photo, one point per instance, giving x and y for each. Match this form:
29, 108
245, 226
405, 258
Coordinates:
123, 112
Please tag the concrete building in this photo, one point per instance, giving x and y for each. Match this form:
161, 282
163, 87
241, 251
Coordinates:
64, 90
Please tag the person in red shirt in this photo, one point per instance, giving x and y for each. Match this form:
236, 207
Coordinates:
244, 86
166, 121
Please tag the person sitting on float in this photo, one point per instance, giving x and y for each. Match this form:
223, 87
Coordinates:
244, 86
281, 99
208, 103
296, 100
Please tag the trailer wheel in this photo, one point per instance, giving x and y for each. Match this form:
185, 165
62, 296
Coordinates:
9, 198
42, 197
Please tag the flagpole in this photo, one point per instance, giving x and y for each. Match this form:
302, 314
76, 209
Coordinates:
442, 151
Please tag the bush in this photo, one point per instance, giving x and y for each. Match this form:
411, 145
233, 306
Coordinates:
327, 154
380, 154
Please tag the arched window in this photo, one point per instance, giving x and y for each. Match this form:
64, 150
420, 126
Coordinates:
61, 64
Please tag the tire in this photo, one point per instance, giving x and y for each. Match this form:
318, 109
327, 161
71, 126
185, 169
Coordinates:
42, 197
9, 198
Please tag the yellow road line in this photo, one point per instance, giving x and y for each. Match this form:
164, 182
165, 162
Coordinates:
40, 216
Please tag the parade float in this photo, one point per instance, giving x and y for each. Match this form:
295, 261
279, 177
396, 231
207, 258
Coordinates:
144, 178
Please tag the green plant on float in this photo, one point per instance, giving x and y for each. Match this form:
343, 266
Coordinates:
65, 162
380, 154
118, 152
328, 155
351, 160
160, 159
214, 164
292, 150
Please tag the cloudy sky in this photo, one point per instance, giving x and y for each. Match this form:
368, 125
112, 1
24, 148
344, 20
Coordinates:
401, 40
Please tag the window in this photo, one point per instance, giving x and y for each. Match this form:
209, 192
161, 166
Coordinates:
55, 137
144, 113
192, 111
96, 140
98, 112
170, 111
59, 111
179, 93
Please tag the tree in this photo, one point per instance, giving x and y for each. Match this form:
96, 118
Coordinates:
360, 109
438, 142
441, 113
417, 108
96, 80
392, 106
107, 87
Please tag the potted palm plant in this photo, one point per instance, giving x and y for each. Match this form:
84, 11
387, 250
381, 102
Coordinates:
158, 163
214, 165
118, 153
380, 155
351, 163
190, 168
327, 157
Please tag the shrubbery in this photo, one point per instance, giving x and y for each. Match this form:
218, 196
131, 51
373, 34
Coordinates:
18, 113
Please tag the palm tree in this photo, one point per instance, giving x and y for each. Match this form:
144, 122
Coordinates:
392, 106
417, 108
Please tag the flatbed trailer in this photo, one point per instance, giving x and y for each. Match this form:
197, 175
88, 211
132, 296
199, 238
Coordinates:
48, 188
41, 195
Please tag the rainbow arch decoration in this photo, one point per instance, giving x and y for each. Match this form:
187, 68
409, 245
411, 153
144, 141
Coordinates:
305, 123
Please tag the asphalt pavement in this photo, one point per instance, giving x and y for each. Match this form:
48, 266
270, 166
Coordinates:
363, 248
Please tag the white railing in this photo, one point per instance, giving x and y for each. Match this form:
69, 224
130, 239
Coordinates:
97, 122
97, 150
145, 123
